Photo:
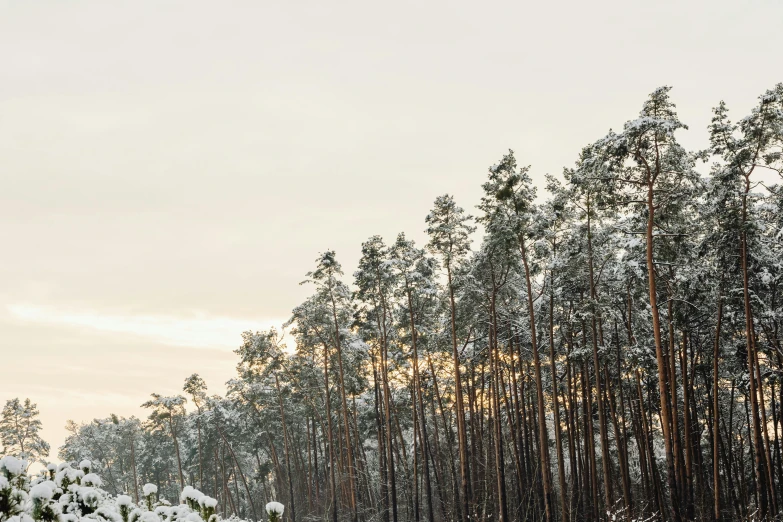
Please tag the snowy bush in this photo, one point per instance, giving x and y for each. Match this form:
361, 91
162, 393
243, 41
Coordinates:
275, 511
150, 492
207, 505
13, 487
67, 494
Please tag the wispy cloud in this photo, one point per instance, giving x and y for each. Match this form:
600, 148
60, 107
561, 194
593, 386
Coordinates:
197, 330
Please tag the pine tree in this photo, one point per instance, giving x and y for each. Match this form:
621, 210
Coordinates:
165, 412
652, 173
197, 389
449, 229
416, 288
510, 192
19, 431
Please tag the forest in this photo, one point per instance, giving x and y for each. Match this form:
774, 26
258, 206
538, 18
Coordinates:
609, 349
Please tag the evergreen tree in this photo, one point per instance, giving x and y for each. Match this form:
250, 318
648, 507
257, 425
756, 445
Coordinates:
449, 229
19, 431
165, 413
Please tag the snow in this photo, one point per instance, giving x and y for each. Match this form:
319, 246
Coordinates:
207, 502
46, 483
149, 489
190, 493
41, 492
24, 517
4, 484
149, 516
13, 465
65, 473
91, 479
275, 507
85, 464
186, 492
89, 496
123, 500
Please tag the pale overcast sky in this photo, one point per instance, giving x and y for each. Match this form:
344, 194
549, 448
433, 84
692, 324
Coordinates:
170, 170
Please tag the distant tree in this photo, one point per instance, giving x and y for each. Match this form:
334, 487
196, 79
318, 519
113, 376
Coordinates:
19, 427
197, 389
164, 412
108, 444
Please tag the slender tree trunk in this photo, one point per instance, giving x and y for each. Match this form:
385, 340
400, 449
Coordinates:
555, 400
346, 425
330, 436
200, 458
597, 367
391, 473
460, 407
242, 476
384, 482
418, 396
291, 498
750, 344
716, 409
500, 472
542, 435
662, 371
686, 409
176, 448
135, 475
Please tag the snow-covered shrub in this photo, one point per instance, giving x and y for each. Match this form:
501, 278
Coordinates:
207, 505
124, 505
43, 508
65, 476
275, 511
150, 492
149, 516
67, 494
12, 467
91, 479
13, 487
191, 497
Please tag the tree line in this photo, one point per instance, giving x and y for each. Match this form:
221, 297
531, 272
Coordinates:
610, 351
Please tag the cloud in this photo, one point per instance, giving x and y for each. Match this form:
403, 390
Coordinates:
197, 330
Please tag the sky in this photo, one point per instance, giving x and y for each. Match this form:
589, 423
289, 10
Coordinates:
169, 171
